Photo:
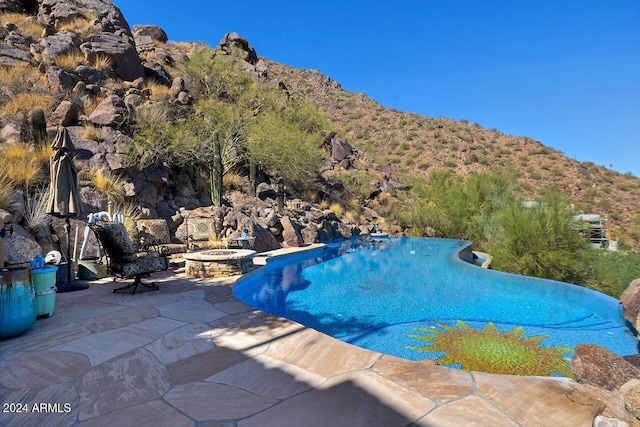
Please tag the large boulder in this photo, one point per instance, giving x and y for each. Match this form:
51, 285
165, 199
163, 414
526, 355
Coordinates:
290, 233
20, 247
12, 56
112, 38
58, 44
112, 111
631, 395
121, 49
595, 365
630, 300
235, 44
152, 31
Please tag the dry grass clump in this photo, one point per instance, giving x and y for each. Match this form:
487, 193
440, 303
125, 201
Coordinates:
35, 212
157, 114
108, 184
26, 24
26, 101
20, 165
90, 132
19, 79
90, 104
84, 26
41, 155
8, 196
337, 209
155, 90
70, 60
232, 181
352, 216
102, 61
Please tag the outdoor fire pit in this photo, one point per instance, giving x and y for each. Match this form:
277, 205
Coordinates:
219, 262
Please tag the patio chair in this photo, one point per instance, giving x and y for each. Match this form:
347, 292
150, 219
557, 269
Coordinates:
155, 232
123, 261
201, 234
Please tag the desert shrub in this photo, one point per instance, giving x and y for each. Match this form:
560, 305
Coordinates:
131, 213
610, 272
42, 156
232, 181
102, 61
352, 216
539, 241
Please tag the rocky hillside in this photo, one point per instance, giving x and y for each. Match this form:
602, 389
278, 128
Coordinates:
412, 145
77, 63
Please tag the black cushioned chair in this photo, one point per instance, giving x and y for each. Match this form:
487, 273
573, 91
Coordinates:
123, 261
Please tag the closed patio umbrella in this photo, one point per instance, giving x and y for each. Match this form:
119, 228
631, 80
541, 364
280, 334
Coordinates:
64, 198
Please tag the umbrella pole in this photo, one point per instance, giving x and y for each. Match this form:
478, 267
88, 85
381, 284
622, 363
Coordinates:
67, 229
71, 284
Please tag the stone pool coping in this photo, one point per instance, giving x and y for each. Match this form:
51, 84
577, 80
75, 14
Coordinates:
192, 354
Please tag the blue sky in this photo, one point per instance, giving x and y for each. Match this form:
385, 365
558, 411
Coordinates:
566, 73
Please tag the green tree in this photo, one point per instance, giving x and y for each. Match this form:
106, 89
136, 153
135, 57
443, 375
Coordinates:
287, 143
212, 137
219, 77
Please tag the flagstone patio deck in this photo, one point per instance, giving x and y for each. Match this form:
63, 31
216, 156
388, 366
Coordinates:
191, 354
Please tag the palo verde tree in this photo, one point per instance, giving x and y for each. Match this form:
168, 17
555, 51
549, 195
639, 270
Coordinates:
287, 143
211, 137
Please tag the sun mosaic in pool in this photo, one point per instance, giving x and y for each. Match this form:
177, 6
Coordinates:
489, 350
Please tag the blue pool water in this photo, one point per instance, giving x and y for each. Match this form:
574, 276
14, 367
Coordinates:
373, 294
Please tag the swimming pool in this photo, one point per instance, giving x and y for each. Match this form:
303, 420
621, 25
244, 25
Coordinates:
375, 294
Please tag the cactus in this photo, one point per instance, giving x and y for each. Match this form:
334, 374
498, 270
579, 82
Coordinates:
39, 126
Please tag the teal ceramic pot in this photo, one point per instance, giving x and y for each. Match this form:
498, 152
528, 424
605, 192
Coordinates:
17, 303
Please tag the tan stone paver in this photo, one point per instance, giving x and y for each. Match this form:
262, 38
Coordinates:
154, 413
181, 343
426, 378
357, 399
268, 377
472, 411
190, 354
204, 401
320, 353
193, 311
43, 368
133, 378
203, 365
106, 345
528, 399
